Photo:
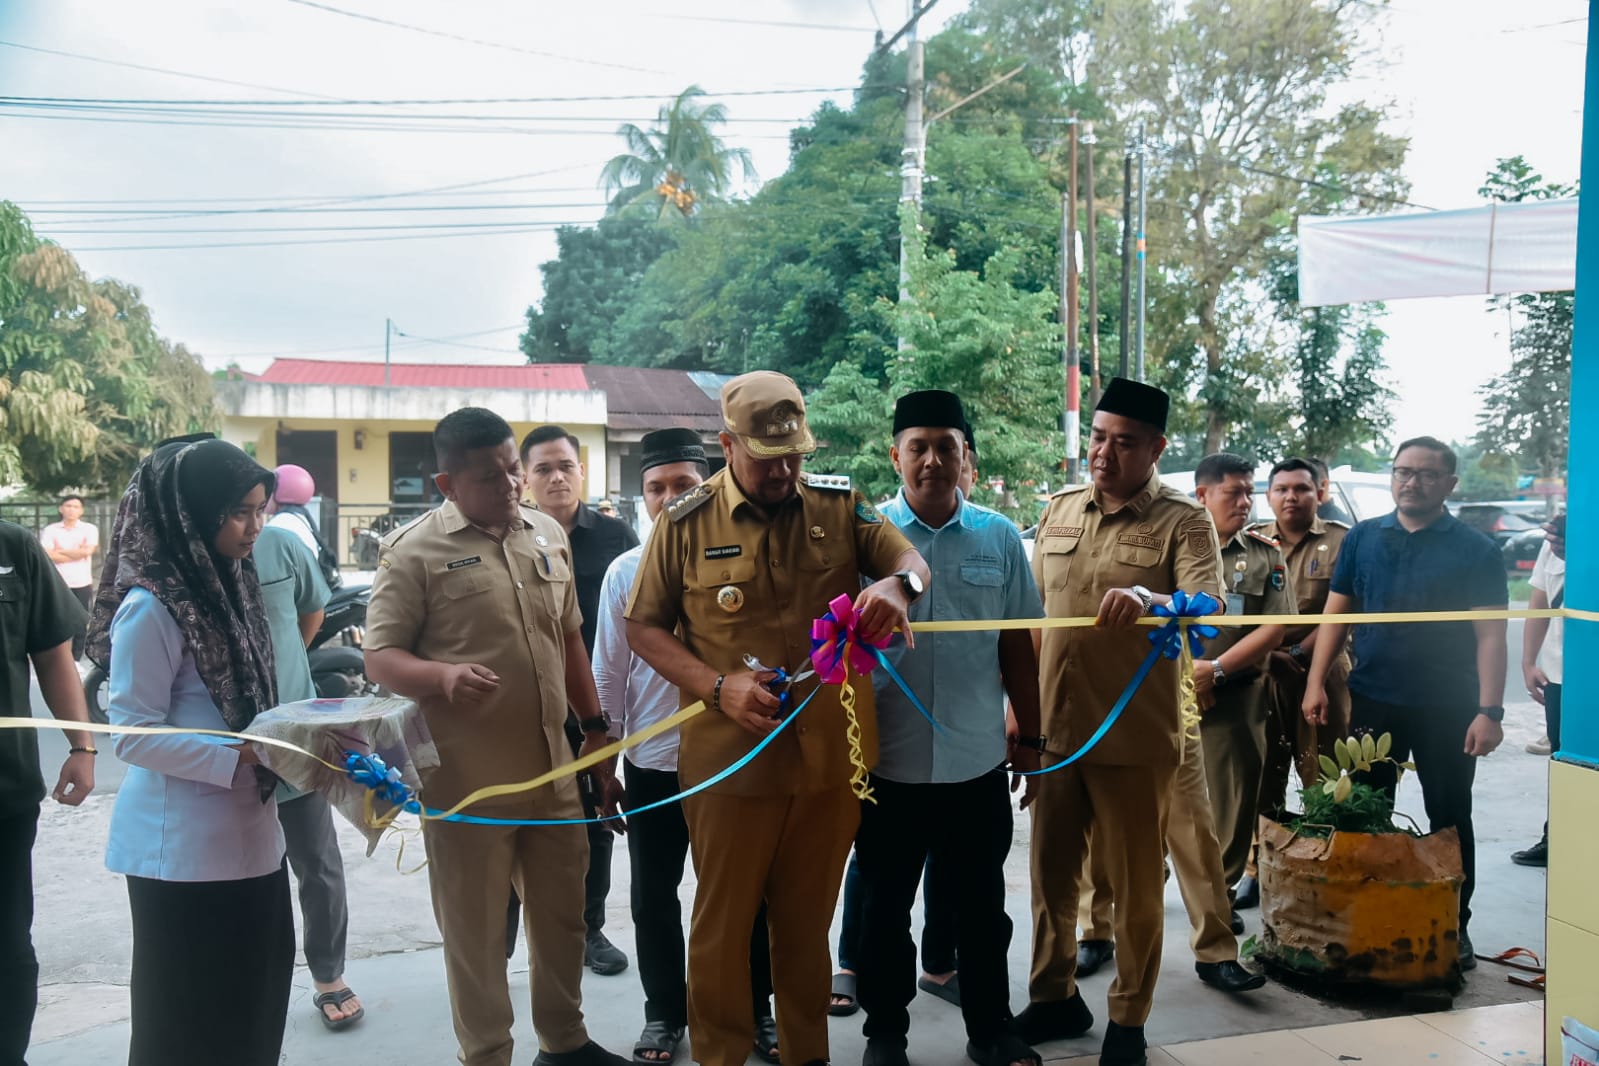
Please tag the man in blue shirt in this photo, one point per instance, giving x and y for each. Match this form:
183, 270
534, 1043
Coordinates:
943, 793
1437, 687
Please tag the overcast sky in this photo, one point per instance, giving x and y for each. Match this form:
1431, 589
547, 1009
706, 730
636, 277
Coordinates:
1472, 80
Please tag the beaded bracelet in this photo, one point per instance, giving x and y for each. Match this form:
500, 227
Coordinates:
83, 751
716, 693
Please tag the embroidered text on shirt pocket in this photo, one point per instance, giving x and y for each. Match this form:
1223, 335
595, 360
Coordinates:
714, 573
1136, 555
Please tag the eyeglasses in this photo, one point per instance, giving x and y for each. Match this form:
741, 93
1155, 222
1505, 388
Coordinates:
1429, 478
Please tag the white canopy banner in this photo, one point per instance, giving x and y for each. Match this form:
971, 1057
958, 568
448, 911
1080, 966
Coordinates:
1499, 248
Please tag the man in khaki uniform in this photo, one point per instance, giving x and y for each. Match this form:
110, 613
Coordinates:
741, 566
474, 616
1310, 548
1111, 550
1231, 680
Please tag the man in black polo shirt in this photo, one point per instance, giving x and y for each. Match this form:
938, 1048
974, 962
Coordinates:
39, 617
1437, 687
555, 477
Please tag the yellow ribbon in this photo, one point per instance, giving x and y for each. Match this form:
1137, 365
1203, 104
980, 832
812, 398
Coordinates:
852, 733
857, 781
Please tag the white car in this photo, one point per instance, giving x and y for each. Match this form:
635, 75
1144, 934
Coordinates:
1354, 496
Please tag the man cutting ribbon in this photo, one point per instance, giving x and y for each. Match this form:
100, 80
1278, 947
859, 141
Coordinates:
742, 565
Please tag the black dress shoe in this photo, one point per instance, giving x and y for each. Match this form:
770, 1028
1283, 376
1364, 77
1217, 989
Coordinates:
1237, 924
1092, 954
1124, 1046
1060, 1019
1247, 894
1228, 976
1468, 952
1537, 855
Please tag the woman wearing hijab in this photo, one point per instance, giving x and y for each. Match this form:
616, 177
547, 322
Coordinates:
179, 617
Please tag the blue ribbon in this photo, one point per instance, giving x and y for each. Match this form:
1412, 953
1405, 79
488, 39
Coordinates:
1168, 643
384, 780
415, 807
905, 688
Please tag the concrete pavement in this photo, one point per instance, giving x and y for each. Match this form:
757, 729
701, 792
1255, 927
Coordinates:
81, 931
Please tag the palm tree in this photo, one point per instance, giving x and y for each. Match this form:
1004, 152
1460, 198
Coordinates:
678, 164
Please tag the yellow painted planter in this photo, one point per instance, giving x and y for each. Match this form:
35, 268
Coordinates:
1361, 909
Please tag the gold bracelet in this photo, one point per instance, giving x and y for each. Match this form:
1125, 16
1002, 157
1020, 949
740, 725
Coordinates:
83, 751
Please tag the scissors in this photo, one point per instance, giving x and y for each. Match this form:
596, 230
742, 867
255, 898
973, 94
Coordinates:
781, 685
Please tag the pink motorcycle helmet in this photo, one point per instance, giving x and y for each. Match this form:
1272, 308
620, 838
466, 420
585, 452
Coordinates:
295, 485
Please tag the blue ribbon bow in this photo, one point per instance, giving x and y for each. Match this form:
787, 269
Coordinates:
1168, 643
382, 779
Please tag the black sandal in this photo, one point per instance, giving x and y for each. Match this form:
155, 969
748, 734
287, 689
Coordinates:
844, 985
766, 1039
1002, 1051
337, 998
658, 1036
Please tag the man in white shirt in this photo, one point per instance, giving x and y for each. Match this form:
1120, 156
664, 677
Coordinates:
633, 697
70, 544
1541, 665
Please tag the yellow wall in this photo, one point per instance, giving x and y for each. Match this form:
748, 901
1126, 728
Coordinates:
364, 472
1572, 934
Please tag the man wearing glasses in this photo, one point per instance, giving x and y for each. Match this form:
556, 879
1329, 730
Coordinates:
1437, 687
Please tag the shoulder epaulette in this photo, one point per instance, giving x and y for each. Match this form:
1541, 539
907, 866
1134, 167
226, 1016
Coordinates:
684, 505
1334, 522
1257, 526
830, 482
393, 536
1065, 489
1258, 535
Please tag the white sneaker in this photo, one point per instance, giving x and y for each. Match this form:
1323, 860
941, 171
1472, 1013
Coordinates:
1541, 746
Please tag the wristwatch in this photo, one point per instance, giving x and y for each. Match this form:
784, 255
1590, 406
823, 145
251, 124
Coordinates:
599, 723
1493, 714
911, 582
1036, 743
1217, 674
1296, 652
1145, 597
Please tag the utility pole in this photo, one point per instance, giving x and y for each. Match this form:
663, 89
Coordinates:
1142, 255
388, 331
1126, 340
1068, 308
911, 154
1091, 253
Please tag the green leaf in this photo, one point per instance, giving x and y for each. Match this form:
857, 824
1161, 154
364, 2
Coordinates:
1342, 751
1385, 744
1344, 788
1368, 748
1328, 766
1332, 783
1409, 766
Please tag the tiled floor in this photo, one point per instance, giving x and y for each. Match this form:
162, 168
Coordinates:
1512, 1033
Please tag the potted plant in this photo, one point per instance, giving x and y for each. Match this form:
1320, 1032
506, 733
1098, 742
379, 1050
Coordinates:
1350, 898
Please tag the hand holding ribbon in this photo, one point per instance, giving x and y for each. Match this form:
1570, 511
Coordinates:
837, 646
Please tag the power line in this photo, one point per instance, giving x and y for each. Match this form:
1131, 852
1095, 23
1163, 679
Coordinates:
29, 203
45, 104
158, 70
833, 26
331, 101
318, 240
457, 344
366, 346
446, 35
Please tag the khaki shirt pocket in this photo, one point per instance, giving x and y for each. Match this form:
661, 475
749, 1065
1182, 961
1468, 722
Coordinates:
1138, 556
459, 584
554, 574
720, 590
1057, 553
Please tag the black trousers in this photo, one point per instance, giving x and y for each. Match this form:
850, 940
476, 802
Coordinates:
938, 919
1435, 738
966, 828
85, 596
212, 965
657, 849
19, 967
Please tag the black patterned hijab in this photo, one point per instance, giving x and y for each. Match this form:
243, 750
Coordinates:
163, 541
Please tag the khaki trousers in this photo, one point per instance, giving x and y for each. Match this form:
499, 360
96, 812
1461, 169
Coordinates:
1196, 857
789, 851
1233, 734
1125, 804
1292, 741
468, 869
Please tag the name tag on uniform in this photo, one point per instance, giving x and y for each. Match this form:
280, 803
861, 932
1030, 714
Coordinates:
726, 551
459, 563
1235, 603
1063, 531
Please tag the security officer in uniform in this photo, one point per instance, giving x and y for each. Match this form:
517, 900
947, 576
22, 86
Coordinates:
1231, 681
474, 616
1109, 550
1310, 546
739, 569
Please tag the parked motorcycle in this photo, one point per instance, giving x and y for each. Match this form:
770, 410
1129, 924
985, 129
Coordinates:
337, 667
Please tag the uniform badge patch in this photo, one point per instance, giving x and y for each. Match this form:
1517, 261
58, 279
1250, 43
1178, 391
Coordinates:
1063, 531
459, 563
725, 551
1199, 541
818, 533
730, 598
1278, 578
867, 513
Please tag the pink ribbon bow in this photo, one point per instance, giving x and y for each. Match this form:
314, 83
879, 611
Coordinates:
834, 635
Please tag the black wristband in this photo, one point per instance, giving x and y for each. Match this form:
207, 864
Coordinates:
83, 751
716, 693
1036, 743
598, 723
1493, 714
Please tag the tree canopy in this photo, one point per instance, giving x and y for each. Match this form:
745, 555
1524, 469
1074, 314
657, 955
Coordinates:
89, 385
